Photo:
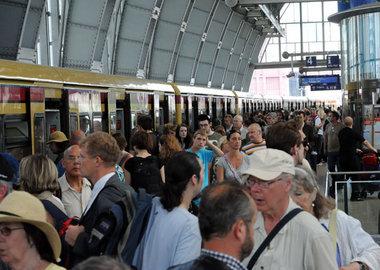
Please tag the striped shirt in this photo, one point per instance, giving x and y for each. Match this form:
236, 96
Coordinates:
250, 148
228, 260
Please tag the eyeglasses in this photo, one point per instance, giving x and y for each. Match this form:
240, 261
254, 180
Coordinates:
6, 231
73, 158
262, 184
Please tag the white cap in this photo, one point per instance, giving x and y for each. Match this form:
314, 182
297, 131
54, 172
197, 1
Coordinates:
267, 164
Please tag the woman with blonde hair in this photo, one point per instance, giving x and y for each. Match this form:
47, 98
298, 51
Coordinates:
39, 177
354, 247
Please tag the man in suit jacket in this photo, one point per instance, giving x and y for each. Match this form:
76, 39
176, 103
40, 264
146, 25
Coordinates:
99, 153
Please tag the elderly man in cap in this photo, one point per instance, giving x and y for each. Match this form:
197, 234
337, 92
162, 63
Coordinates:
302, 243
58, 143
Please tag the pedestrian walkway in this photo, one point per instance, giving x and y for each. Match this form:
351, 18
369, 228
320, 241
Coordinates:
367, 211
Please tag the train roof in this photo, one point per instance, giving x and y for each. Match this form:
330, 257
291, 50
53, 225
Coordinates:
17, 71
248, 95
196, 90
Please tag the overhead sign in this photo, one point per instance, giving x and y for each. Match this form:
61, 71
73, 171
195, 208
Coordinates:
321, 82
332, 61
311, 61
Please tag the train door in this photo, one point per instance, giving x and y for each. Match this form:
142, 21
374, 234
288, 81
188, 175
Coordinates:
109, 117
97, 110
56, 114
214, 110
14, 124
122, 112
140, 105
37, 119
184, 110
195, 112
208, 104
190, 112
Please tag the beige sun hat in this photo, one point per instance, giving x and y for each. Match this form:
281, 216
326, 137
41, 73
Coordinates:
267, 164
57, 136
20, 206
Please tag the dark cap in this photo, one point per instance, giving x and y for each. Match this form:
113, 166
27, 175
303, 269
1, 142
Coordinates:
6, 172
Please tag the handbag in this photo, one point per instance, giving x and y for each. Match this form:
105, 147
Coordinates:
271, 235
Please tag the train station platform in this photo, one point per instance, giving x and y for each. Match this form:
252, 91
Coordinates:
367, 211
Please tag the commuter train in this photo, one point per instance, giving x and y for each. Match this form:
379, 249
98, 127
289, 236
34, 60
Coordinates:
37, 100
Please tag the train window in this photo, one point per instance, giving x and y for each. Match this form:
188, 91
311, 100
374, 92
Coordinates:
84, 121
120, 124
16, 132
97, 122
113, 121
39, 134
171, 107
74, 122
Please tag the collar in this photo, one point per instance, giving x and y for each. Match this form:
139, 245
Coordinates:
259, 224
99, 185
64, 184
230, 261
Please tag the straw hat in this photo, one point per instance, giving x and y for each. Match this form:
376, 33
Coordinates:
20, 206
57, 136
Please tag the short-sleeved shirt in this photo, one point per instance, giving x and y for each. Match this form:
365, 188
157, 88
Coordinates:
206, 157
230, 173
75, 203
331, 133
349, 140
252, 147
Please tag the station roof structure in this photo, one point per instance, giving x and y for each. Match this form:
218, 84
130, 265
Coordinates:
212, 43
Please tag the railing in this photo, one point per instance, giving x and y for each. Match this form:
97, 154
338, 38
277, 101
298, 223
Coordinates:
345, 183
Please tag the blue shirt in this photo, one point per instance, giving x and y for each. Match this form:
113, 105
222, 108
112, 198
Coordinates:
171, 238
206, 157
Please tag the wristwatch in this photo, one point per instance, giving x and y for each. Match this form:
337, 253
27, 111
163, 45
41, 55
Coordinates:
362, 266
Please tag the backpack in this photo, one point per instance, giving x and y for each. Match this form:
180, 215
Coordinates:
146, 174
120, 231
124, 159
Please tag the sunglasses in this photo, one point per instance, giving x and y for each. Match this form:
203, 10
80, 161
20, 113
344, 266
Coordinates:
6, 231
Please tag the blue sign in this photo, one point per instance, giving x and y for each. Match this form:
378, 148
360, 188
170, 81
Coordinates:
321, 82
311, 61
332, 61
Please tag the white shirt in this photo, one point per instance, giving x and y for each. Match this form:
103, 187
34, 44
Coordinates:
318, 121
302, 244
354, 243
74, 202
97, 188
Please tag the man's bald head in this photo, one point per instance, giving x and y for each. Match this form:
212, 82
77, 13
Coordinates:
76, 136
348, 121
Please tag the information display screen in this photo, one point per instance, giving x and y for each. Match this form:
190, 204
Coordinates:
321, 82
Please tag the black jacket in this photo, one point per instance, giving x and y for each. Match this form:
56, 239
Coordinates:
107, 197
203, 262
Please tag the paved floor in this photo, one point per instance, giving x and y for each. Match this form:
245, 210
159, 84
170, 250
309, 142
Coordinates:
367, 211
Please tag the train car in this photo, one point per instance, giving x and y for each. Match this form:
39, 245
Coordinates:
272, 102
249, 102
37, 100
202, 100
294, 103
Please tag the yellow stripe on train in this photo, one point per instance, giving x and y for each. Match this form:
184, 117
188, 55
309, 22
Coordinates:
12, 108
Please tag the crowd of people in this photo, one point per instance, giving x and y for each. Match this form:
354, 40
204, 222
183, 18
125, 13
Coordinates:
242, 195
